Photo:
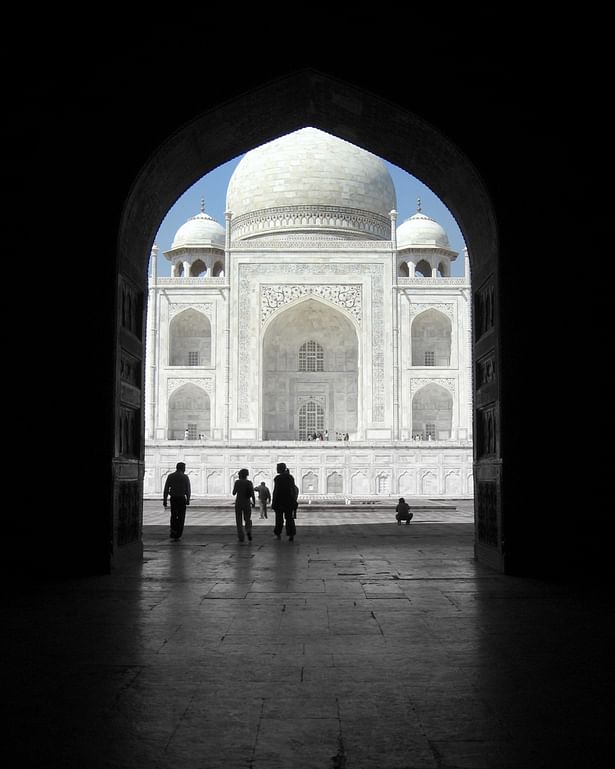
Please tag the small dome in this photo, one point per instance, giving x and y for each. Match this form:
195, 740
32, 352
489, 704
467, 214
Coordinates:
200, 231
311, 181
421, 231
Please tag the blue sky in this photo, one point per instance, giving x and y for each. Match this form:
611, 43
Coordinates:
212, 188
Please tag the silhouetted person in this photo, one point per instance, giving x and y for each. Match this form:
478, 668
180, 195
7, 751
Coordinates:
403, 512
264, 496
283, 502
296, 503
177, 487
243, 491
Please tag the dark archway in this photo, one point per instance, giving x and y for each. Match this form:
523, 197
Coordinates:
528, 116
130, 171
309, 98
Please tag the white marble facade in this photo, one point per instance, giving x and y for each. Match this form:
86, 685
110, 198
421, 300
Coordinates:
311, 311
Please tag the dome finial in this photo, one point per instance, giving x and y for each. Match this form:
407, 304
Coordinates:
418, 205
202, 205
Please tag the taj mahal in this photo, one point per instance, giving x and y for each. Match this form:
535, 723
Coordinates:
311, 328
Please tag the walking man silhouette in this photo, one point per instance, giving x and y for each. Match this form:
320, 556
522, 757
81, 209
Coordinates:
177, 487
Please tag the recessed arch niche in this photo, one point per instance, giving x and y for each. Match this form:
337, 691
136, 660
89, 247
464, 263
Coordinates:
189, 408
432, 413
431, 339
190, 339
289, 391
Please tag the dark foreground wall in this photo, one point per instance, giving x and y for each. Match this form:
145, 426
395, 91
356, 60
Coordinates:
87, 114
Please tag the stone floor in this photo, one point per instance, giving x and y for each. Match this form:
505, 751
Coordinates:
362, 645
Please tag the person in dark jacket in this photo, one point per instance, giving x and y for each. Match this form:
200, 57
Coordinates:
243, 491
402, 512
283, 502
296, 504
177, 487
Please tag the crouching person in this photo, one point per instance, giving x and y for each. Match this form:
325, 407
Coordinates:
402, 512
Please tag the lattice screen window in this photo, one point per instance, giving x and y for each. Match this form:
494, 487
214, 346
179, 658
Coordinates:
191, 431
430, 431
193, 358
311, 357
430, 358
311, 420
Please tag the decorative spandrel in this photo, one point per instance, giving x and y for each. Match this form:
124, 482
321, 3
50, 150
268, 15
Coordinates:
446, 308
348, 297
204, 307
417, 383
205, 383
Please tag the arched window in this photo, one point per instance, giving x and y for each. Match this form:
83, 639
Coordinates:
404, 271
311, 420
311, 357
198, 268
423, 269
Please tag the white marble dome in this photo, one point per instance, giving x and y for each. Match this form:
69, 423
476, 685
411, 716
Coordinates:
310, 182
201, 231
421, 231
